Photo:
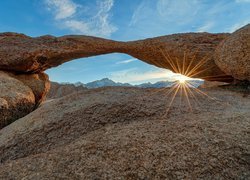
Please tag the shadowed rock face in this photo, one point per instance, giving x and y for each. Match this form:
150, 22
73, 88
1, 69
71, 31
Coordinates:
16, 99
190, 54
20, 94
233, 54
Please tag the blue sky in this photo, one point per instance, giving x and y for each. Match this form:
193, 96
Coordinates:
119, 20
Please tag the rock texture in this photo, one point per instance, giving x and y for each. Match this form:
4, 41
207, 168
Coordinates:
22, 53
39, 83
58, 90
189, 53
16, 99
125, 133
233, 54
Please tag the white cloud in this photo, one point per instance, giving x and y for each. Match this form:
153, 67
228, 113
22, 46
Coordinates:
83, 20
63, 8
126, 61
206, 27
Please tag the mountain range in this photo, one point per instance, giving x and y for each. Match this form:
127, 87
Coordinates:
108, 82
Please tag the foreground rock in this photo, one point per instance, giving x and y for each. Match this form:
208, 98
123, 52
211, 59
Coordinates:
16, 99
189, 53
20, 94
233, 54
127, 133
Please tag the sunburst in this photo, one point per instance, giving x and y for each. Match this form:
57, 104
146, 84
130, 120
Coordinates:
183, 84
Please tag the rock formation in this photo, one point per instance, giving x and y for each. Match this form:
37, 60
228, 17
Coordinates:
233, 54
20, 94
125, 133
16, 99
190, 53
24, 59
59, 90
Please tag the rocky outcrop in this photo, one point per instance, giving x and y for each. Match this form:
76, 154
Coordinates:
16, 99
190, 53
39, 83
130, 133
58, 90
20, 94
233, 54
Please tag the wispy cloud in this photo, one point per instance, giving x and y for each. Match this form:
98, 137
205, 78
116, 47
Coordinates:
136, 75
238, 25
177, 11
62, 8
83, 20
126, 61
206, 27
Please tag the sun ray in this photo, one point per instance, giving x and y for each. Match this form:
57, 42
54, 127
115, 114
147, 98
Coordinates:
187, 97
169, 61
194, 97
202, 62
190, 63
202, 93
198, 72
171, 102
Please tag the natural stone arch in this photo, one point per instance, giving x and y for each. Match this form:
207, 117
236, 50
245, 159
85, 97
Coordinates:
178, 52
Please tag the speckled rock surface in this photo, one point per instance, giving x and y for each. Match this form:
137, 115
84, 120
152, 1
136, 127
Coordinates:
22, 53
233, 54
125, 133
39, 83
58, 90
16, 99
189, 53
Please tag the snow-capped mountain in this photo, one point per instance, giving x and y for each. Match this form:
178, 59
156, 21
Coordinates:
108, 82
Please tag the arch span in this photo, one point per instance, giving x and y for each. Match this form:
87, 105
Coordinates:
190, 54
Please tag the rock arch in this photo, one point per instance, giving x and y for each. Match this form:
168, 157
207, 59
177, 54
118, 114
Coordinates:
24, 59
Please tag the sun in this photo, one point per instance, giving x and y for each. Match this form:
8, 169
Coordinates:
181, 79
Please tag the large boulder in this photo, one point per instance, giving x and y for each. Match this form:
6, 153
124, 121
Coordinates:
20, 94
190, 54
126, 133
233, 54
16, 99
39, 83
